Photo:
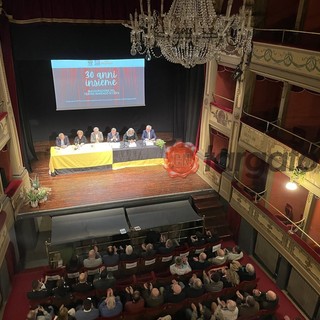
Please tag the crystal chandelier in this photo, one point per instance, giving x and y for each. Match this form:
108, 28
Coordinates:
191, 32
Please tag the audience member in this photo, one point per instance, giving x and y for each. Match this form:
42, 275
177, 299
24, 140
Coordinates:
96, 135
152, 237
175, 293
113, 136
112, 257
104, 280
153, 297
39, 290
199, 263
230, 277
267, 300
74, 264
40, 313
148, 252
247, 272
248, 306
168, 247
111, 306
87, 311
212, 281
130, 136
135, 303
211, 236
195, 288
220, 258
129, 254
80, 138
65, 314
72, 269
148, 134
82, 285
62, 141
61, 290
225, 310
94, 259
193, 313
181, 266
197, 239
234, 253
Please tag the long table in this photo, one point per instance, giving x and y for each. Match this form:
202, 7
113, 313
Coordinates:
102, 156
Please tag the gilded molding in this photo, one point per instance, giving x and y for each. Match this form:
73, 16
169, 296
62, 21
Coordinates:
221, 119
253, 137
295, 60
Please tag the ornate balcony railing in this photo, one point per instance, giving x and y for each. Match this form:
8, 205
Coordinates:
291, 38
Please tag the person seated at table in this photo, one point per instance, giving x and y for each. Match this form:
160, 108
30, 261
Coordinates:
96, 135
113, 136
130, 136
148, 134
62, 140
80, 138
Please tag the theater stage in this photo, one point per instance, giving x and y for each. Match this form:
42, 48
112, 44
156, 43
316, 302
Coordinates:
79, 192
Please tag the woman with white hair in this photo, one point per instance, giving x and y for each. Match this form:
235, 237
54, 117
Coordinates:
130, 136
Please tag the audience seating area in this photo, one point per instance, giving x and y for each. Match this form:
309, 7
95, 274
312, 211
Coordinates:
156, 271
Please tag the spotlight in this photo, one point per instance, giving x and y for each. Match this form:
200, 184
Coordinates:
291, 185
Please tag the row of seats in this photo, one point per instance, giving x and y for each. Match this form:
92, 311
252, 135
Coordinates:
137, 266
173, 308
154, 313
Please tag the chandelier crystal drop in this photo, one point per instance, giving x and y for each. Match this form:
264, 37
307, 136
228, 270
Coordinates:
191, 32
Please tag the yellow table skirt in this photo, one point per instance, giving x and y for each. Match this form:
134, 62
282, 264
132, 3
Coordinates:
138, 163
79, 160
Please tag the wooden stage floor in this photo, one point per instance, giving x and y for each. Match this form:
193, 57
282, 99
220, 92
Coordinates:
89, 189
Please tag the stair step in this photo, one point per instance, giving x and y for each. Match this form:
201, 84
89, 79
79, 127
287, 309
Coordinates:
224, 231
215, 213
203, 197
209, 204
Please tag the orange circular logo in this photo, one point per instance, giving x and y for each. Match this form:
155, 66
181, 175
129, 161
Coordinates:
181, 160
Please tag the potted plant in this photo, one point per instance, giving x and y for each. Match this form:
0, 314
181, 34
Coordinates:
35, 182
43, 193
160, 143
31, 196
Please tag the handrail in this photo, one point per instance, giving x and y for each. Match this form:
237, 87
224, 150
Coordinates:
288, 30
296, 224
289, 37
310, 143
224, 98
260, 119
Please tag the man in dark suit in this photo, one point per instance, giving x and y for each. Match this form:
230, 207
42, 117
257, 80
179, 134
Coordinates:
105, 280
62, 141
148, 134
113, 136
175, 293
82, 286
